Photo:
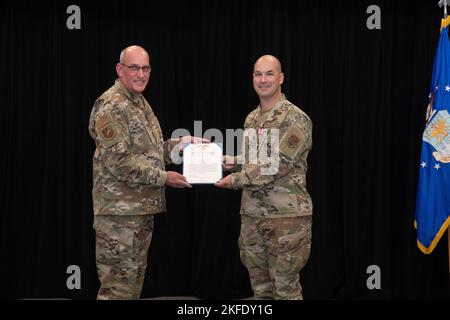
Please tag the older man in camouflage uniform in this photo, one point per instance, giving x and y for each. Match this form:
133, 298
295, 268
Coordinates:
276, 209
128, 177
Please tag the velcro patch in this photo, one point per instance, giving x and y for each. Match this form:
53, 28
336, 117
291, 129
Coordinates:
107, 130
103, 121
291, 142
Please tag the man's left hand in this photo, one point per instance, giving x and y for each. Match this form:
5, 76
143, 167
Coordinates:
225, 183
184, 141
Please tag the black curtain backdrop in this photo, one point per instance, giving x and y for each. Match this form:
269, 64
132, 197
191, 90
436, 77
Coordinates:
365, 90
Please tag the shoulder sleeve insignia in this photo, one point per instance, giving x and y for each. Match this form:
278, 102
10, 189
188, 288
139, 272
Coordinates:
292, 142
108, 132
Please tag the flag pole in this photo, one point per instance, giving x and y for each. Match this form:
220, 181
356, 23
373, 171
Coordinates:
445, 9
445, 4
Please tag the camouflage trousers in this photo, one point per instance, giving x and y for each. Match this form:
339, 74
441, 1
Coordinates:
122, 244
275, 251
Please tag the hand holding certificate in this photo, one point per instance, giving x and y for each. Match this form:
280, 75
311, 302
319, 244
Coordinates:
202, 163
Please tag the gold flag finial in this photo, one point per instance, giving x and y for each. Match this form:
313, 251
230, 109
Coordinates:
445, 22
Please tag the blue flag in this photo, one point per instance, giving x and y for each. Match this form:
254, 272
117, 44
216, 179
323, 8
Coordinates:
432, 215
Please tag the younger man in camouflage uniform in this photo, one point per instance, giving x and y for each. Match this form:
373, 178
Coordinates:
129, 177
276, 209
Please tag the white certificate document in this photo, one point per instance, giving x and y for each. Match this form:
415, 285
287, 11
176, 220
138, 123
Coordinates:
202, 163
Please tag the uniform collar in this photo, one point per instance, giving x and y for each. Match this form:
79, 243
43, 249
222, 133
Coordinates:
272, 113
130, 95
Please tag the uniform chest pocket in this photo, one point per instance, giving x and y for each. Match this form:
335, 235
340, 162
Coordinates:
141, 134
254, 137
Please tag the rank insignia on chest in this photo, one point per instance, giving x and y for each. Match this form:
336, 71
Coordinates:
261, 131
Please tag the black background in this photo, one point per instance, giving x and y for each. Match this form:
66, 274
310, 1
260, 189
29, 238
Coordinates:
365, 91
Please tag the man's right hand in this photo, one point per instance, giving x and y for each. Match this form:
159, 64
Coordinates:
176, 180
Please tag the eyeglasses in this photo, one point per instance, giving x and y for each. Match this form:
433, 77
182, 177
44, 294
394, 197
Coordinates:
136, 68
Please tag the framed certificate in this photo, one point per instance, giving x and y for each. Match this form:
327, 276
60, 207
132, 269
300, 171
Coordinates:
202, 163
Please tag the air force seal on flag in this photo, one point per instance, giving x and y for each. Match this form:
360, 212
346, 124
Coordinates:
437, 133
